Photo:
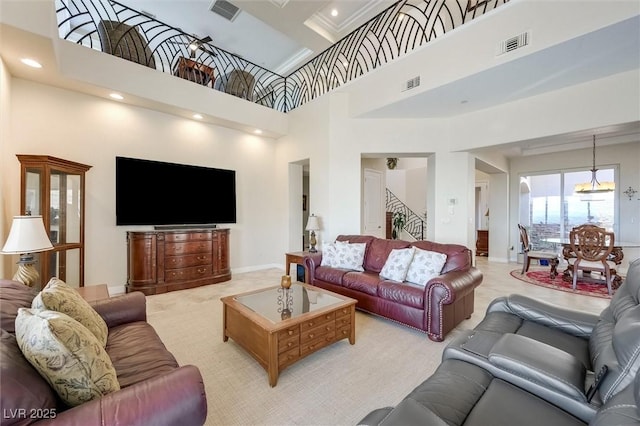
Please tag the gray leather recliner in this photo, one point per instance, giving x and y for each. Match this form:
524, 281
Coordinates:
556, 353
463, 394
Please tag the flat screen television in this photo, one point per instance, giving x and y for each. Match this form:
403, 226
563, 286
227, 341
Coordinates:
158, 193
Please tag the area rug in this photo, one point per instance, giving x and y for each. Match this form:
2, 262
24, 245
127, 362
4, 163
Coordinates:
542, 279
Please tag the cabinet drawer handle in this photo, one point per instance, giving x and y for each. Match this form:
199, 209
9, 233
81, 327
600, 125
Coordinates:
289, 344
328, 317
202, 257
310, 323
311, 335
328, 328
290, 332
202, 270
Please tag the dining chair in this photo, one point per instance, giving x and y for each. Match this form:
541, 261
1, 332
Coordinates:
592, 246
529, 254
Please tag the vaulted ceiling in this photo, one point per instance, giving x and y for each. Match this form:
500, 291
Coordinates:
279, 35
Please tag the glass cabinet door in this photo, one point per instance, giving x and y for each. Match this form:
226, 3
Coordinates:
54, 188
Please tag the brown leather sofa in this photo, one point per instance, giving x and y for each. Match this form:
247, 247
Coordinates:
155, 390
436, 309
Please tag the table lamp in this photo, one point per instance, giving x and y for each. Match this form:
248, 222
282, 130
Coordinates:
27, 236
312, 225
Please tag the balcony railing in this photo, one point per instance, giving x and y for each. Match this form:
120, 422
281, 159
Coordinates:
114, 28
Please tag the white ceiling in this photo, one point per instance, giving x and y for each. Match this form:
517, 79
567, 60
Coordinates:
273, 35
280, 35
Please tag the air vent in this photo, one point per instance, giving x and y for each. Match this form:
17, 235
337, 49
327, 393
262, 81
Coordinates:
225, 9
411, 84
513, 43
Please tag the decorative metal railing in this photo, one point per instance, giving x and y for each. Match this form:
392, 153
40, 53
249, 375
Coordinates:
415, 224
111, 27
401, 28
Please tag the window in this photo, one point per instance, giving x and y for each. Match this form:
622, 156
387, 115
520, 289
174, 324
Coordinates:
549, 207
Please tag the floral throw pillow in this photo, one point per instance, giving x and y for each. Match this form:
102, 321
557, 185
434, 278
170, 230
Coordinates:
330, 253
60, 297
66, 354
397, 264
350, 256
424, 266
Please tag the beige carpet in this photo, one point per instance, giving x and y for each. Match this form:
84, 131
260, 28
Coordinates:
338, 385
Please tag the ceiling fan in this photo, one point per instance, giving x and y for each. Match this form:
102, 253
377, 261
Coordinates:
195, 44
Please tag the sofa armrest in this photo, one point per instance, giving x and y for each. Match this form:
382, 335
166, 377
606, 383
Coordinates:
540, 364
311, 262
444, 289
122, 309
576, 323
174, 398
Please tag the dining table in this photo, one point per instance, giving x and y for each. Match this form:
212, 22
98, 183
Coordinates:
616, 256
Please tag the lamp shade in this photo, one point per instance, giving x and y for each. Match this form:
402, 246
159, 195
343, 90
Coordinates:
312, 223
27, 235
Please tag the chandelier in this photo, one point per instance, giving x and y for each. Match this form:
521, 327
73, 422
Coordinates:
594, 187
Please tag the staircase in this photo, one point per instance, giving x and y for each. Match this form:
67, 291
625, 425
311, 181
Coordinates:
415, 225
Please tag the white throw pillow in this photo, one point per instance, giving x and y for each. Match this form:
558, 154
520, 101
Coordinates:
349, 256
330, 253
424, 266
397, 264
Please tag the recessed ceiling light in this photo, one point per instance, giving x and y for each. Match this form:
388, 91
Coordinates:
197, 116
400, 16
117, 96
345, 63
334, 12
257, 132
31, 62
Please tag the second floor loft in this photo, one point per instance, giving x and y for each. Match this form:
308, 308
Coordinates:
114, 28
452, 73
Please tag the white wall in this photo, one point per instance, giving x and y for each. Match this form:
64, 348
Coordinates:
6, 209
92, 130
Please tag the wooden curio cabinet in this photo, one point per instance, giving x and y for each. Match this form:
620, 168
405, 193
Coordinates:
55, 189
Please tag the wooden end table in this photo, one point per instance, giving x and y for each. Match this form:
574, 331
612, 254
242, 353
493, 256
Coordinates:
296, 257
92, 293
278, 327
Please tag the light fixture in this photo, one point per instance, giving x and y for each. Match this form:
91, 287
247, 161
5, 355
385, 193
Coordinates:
197, 116
116, 96
313, 225
31, 62
27, 236
594, 187
257, 131
334, 12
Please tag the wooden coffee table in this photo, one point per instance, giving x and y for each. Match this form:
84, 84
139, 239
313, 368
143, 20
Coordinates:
279, 327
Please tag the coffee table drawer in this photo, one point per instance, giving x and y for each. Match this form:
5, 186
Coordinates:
343, 331
288, 343
288, 357
315, 322
310, 335
343, 321
317, 343
288, 332
343, 312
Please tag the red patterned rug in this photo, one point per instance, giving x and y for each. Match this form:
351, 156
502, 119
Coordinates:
542, 278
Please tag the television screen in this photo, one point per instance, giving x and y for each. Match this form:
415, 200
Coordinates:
159, 193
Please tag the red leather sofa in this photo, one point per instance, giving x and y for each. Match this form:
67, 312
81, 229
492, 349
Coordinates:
154, 389
436, 309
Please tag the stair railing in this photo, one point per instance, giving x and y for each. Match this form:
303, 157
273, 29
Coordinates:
415, 225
